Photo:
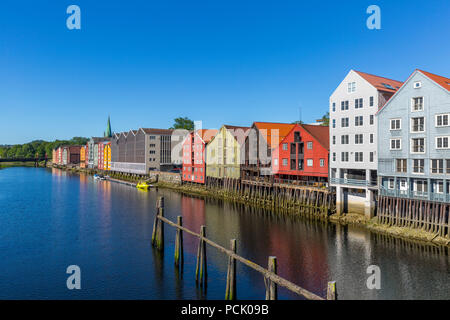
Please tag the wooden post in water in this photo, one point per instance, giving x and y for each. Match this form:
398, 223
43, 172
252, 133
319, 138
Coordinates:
331, 291
155, 224
230, 292
160, 225
179, 244
200, 270
271, 288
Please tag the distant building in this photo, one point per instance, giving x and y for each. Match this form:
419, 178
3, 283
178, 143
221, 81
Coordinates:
92, 151
223, 152
107, 156
70, 154
143, 150
302, 155
194, 155
83, 157
353, 139
414, 151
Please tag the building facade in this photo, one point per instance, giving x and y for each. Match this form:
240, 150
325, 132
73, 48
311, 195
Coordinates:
83, 157
223, 152
143, 150
107, 156
92, 152
414, 154
256, 153
194, 155
302, 156
353, 139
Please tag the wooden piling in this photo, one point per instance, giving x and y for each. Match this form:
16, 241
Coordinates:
201, 270
331, 291
160, 225
230, 291
179, 256
271, 287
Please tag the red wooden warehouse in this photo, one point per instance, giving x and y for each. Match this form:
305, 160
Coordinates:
302, 155
194, 147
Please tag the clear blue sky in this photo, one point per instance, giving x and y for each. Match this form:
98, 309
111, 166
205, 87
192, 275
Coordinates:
233, 62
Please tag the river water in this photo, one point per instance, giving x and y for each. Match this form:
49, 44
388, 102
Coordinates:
50, 219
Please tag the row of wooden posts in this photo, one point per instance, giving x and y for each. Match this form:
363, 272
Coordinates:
309, 201
271, 279
425, 215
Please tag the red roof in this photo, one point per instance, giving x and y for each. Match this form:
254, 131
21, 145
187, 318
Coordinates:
381, 83
442, 81
207, 134
274, 132
320, 133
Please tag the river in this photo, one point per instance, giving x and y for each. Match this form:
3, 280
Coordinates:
50, 219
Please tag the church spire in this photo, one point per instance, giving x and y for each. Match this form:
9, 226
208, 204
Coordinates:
108, 132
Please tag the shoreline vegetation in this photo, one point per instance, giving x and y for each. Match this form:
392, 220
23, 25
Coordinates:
353, 219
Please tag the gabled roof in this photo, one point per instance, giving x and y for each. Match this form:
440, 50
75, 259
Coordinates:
320, 133
207, 134
440, 80
381, 83
157, 131
268, 131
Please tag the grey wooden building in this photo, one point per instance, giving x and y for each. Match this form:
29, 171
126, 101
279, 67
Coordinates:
414, 144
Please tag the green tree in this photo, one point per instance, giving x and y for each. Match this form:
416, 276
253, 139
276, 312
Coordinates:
183, 123
325, 119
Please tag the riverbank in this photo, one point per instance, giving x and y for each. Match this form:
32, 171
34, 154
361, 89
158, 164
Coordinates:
347, 219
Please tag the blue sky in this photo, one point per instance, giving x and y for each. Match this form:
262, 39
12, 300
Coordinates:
235, 62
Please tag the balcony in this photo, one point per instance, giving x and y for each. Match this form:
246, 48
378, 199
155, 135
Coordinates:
432, 196
354, 182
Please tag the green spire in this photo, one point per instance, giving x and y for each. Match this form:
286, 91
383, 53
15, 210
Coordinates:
108, 132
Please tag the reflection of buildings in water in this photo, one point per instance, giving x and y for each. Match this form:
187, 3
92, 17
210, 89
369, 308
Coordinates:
193, 212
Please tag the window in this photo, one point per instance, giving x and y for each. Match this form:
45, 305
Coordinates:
351, 87
334, 159
344, 139
152, 137
322, 162
371, 157
359, 157
372, 120
448, 166
417, 84
275, 161
437, 166
344, 122
358, 103
334, 139
418, 145
418, 165
417, 104
334, 106
400, 165
334, 123
358, 121
285, 146
344, 105
371, 138
396, 144
309, 145
439, 187
396, 124
391, 184
442, 120
442, 142
421, 186
418, 124
344, 156
371, 101
359, 138
309, 162
285, 162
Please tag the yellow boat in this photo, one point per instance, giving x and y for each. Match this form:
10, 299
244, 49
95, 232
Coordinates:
143, 185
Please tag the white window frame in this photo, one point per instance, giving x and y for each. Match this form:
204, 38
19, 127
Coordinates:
442, 137
309, 162
412, 167
417, 84
411, 125
322, 162
391, 186
405, 187
412, 104
360, 141
437, 168
424, 146
436, 186
400, 124
395, 139
441, 115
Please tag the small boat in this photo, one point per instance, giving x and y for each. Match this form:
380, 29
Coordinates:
143, 185
98, 177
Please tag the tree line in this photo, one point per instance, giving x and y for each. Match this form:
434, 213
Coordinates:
38, 148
